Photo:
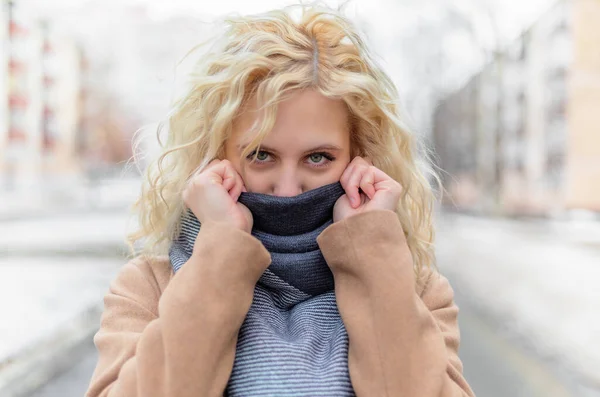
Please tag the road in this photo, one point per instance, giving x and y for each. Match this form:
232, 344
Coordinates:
496, 366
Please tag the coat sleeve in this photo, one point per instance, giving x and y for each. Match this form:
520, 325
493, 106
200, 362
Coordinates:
401, 343
181, 343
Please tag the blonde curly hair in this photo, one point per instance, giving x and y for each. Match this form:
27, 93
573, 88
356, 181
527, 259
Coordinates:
267, 57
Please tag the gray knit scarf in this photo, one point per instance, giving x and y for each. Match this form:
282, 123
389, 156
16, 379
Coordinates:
292, 341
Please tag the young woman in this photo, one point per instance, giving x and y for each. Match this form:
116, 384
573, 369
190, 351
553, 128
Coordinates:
288, 236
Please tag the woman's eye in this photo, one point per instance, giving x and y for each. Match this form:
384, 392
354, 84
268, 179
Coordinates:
316, 157
320, 159
262, 156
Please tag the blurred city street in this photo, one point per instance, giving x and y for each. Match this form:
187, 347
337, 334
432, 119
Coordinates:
505, 95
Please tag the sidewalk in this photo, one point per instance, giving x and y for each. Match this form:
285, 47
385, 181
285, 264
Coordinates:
539, 280
50, 307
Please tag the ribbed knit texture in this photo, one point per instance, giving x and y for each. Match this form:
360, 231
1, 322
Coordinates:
292, 341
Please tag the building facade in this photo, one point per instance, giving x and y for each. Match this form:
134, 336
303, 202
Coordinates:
522, 137
4, 53
40, 101
583, 164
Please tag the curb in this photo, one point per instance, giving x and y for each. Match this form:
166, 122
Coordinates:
33, 367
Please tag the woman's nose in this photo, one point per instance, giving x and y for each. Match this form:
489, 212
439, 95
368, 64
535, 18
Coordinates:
287, 186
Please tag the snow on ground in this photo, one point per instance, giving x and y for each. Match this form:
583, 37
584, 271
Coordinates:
53, 269
537, 276
39, 295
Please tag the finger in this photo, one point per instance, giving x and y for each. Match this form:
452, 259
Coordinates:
229, 175
228, 183
346, 174
349, 169
199, 170
367, 183
232, 180
235, 191
238, 188
353, 185
213, 162
386, 183
380, 178
207, 167
358, 160
203, 169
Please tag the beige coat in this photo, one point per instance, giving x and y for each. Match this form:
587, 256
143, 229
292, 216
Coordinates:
175, 335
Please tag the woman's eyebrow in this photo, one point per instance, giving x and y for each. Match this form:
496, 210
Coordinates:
241, 147
325, 147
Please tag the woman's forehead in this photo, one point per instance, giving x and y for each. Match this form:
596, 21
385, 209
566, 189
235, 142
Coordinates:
306, 118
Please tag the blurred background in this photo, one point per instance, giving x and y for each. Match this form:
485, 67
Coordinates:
506, 93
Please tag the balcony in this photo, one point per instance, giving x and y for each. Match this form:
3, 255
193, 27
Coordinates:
48, 141
18, 101
49, 81
16, 30
48, 48
16, 134
16, 66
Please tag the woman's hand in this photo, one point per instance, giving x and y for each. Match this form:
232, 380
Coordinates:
379, 191
212, 195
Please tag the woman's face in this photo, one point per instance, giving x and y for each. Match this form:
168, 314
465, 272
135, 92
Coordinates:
308, 147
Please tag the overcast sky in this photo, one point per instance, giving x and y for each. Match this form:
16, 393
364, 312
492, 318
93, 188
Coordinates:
385, 16
515, 14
